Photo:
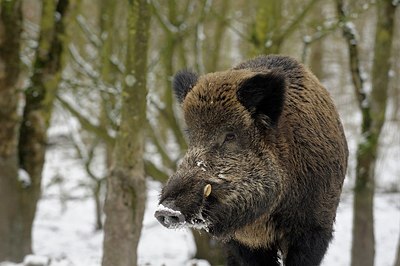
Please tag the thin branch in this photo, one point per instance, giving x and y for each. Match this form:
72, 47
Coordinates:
173, 124
164, 22
86, 157
228, 22
349, 33
86, 124
154, 172
295, 23
320, 34
88, 32
325, 30
166, 159
85, 66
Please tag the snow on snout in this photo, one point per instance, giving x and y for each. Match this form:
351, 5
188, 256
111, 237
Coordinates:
169, 213
162, 208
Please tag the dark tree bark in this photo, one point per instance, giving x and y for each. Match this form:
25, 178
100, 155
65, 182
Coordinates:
26, 150
126, 187
39, 97
363, 247
28, 154
10, 66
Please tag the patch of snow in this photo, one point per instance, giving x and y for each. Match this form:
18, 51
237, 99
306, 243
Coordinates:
24, 178
202, 165
350, 26
268, 43
166, 209
307, 39
130, 80
197, 263
365, 103
35, 260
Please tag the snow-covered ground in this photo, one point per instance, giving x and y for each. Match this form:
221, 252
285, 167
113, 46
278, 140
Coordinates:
68, 238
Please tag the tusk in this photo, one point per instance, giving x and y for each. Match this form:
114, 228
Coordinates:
207, 190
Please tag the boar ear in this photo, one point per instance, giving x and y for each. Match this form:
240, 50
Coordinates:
183, 82
263, 95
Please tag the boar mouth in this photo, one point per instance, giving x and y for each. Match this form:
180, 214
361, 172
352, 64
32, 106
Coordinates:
199, 223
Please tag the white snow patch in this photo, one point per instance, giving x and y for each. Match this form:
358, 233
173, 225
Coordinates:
130, 80
222, 176
307, 39
36, 260
268, 43
166, 209
198, 263
202, 165
24, 177
365, 103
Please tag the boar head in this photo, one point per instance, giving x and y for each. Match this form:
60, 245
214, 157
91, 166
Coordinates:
230, 174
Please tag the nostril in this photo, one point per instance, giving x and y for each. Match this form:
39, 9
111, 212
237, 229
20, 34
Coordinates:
174, 219
168, 217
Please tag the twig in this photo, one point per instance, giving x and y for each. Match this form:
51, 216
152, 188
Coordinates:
86, 124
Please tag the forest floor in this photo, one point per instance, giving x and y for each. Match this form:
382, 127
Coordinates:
64, 233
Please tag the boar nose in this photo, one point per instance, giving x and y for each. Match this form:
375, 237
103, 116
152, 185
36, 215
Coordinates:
168, 215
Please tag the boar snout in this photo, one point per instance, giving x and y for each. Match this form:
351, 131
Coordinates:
169, 216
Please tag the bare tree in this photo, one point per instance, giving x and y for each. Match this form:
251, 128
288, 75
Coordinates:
10, 67
126, 188
22, 197
373, 108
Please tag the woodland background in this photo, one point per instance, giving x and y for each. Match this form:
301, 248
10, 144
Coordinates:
91, 80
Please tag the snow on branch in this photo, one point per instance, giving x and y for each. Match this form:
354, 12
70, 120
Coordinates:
85, 66
350, 34
89, 33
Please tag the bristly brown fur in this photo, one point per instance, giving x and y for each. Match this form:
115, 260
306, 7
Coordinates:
267, 137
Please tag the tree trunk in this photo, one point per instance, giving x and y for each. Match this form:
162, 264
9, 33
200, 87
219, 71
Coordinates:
363, 247
126, 191
268, 22
317, 48
37, 113
10, 66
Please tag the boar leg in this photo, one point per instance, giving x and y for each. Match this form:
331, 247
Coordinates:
240, 255
308, 250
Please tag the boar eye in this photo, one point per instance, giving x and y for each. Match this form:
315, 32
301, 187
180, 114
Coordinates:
229, 137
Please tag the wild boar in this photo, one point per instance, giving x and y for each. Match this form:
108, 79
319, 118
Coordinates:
265, 165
